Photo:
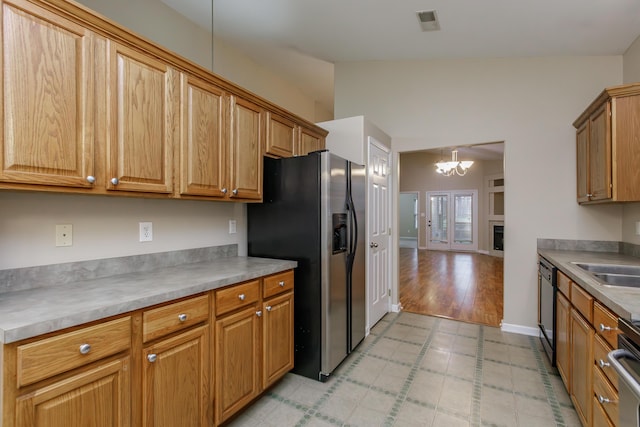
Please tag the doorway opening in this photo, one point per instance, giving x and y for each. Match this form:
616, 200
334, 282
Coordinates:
408, 213
457, 269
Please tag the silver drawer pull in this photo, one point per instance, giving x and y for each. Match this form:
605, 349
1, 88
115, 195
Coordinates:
152, 357
268, 308
281, 283
85, 348
603, 364
182, 317
604, 400
241, 297
606, 328
259, 313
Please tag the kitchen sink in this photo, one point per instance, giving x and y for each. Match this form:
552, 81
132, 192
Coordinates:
613, 274
627, 280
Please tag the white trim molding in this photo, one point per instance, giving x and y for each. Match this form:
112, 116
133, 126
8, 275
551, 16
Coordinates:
519, 329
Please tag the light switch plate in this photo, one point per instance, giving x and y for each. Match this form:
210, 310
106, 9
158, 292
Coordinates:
232, 226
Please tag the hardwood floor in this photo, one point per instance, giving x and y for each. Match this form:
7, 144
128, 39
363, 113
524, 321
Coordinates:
456, 285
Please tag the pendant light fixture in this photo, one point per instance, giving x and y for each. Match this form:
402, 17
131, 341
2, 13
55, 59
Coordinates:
454, 167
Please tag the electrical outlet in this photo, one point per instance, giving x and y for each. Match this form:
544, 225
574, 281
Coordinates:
146, 232
232, 226
64, 235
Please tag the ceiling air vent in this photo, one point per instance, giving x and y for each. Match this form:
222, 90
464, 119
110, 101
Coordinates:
428, 20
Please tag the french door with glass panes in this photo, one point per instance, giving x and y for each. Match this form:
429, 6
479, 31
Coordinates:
452, 220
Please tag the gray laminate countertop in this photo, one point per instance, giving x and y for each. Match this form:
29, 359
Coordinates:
624, 301
32, 312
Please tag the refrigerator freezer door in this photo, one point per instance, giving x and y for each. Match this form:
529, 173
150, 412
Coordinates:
358, 273
334, 283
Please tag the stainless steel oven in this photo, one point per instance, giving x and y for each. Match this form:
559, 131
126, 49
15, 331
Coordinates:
547, 289
626, 361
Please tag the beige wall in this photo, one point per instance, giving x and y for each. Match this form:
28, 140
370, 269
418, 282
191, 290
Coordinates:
530, 104
108, 226
417, 173
631, 73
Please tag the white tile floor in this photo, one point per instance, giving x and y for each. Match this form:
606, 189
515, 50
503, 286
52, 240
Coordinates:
424, 371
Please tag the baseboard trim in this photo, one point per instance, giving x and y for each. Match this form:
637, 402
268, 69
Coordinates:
396, 308
519, 329
483, 252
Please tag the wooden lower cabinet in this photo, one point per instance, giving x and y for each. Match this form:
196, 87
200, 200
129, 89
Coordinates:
581, 379
99, 397
277, 334
237, 361
600, 418
563, 342
175, 385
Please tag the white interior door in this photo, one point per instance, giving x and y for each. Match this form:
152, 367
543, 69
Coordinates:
452, 222
379, 255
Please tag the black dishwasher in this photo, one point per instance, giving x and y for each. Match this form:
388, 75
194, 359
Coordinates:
547, 289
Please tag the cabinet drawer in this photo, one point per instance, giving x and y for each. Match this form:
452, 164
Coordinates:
278, 283
600, 418
602, 389
582, 301
600, 351
51, 356
564, 284
606, 323
174, 317
237, 296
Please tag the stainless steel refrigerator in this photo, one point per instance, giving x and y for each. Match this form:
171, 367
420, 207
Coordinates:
313, 212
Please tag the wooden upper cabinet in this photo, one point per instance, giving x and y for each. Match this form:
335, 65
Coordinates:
247, 133
142, 121
608, 147
281, 136
48, 98
309, 141
204, 136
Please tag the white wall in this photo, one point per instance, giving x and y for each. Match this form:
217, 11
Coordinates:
530, 104
631, 73
158, 22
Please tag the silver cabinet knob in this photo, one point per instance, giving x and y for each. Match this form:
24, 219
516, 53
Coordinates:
241, 297
589, 195
91, 179
224, 191
603, 364
182, 317
268, 308
235, 192
115, 181
281, 283
152, 357
85, 348
605, 328
259, 313
603, 399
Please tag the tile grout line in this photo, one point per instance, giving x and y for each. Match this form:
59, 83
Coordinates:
476, 418
548, 387
404, 391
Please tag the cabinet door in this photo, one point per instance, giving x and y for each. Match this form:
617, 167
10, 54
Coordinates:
142, 122
48, 98
309, 141
600, 153
237, 373
563, 310
581, 366
176, 380
99, 397
281, 136
582, 162
246, 150
203, 169
277, 335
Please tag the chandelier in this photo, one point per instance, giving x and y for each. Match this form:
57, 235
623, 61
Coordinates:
454, 166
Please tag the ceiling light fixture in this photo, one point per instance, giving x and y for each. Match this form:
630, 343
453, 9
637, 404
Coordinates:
428, 20
454, 166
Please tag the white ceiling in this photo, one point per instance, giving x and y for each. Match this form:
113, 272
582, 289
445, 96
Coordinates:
302, 39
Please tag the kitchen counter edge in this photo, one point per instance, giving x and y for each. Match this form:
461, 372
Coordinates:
29, 313
624, 301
